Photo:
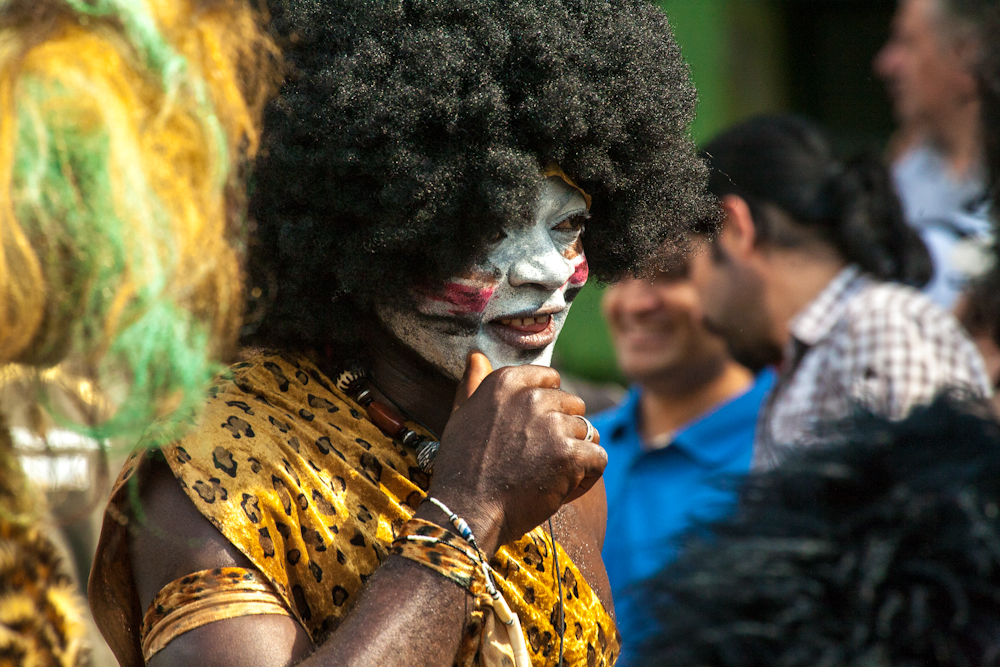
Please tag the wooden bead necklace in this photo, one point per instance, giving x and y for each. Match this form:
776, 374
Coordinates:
388, 419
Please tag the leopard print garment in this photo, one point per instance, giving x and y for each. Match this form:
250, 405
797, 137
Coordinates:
294, 474
41, 613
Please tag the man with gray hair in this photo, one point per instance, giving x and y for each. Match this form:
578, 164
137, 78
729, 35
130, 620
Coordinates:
928, 65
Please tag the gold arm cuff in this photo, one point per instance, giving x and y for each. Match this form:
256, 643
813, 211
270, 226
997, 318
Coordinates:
205, 597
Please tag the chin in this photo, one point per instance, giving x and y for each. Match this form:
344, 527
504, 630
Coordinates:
517, 357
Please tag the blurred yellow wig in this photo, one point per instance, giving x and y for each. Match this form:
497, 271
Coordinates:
125, 127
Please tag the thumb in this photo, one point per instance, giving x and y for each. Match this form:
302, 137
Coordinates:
477, 367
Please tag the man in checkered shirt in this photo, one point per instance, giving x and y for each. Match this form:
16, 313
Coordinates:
801, 276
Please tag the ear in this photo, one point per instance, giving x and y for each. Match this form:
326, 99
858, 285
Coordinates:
739, 236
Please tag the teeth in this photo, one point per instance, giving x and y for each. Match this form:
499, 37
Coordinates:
525, 322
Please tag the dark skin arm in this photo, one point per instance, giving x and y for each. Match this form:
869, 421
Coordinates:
510, 458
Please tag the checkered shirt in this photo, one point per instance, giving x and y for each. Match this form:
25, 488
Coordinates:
861, 343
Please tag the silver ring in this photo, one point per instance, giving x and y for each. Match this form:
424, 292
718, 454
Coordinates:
590, 429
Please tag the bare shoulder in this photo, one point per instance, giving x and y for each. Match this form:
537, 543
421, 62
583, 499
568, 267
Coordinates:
171, 539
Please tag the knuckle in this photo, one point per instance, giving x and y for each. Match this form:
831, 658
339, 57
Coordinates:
549, 423
536, 401
504, 376
570, 451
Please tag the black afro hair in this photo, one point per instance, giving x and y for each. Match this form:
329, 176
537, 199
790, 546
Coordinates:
409, 133
884, 550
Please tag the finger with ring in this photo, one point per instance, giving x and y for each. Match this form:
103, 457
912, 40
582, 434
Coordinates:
591, 431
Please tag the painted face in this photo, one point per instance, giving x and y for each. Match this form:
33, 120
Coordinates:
512, 307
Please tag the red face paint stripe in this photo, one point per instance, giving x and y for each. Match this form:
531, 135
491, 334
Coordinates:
581, 273
465, 298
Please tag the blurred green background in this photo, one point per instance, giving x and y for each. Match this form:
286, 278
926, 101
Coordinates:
758, 56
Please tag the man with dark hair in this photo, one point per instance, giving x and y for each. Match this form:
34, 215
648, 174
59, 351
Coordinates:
684, 429
929, 67
438, 180
881, 549
805, 274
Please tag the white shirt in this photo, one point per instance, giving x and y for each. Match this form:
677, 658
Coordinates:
951, 216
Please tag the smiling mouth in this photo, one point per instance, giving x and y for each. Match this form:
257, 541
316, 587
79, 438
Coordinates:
528, 324
526, 333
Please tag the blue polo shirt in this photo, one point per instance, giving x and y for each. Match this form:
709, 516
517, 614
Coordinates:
654, 496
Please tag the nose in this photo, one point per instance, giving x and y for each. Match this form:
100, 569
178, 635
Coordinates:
635, 297
541, 265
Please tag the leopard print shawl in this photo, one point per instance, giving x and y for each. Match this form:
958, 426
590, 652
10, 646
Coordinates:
294, 475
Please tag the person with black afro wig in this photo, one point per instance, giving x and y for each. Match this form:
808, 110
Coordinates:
881, 550
436, 183
411, 134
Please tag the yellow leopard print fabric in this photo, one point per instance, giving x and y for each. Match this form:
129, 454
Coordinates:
41, 613
452, 557
294, 474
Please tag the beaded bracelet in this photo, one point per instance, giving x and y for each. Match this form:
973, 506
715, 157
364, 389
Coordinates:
500, 605
422, 542
429, 533
460, 524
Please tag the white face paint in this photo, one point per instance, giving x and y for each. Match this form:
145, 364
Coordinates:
512, 307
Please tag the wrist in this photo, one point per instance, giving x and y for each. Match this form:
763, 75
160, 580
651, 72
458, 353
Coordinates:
484, 520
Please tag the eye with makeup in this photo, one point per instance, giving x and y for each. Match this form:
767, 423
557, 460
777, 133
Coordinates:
573, 224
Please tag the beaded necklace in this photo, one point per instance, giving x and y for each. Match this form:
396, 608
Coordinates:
388, 419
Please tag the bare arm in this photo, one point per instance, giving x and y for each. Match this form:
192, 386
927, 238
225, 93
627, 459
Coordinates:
579, 528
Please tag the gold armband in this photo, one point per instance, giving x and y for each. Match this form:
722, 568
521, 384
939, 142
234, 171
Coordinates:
205, 597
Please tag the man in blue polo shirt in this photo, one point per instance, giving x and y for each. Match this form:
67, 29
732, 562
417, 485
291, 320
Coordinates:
683, 430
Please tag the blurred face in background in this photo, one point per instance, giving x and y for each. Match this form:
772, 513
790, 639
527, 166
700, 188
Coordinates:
733, 301
658, 331
926, 69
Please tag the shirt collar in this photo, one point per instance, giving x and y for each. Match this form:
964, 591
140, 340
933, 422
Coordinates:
817, 319
624, 425
708, 440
